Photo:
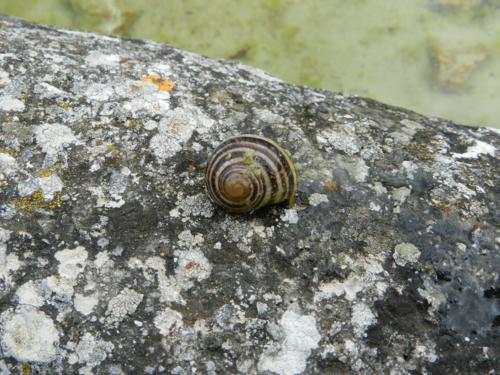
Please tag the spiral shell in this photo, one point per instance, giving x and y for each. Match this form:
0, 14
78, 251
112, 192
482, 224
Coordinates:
248, 172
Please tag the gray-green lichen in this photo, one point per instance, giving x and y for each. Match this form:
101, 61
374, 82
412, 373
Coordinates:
113, 260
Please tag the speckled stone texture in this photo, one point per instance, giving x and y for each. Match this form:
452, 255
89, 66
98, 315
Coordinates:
114, 261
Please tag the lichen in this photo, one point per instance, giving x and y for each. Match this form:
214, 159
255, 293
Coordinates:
37, 201
163, 85
28, 335
108, 236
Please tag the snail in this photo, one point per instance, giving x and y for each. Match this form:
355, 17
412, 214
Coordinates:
248, 172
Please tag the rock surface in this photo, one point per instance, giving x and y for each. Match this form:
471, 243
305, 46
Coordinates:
113, 260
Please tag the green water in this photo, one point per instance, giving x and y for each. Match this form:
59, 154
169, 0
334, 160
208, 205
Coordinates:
438, 57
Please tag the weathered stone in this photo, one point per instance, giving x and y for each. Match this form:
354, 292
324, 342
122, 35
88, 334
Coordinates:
113, 260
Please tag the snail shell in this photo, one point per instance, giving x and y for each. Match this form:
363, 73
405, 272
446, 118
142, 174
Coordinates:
248, 172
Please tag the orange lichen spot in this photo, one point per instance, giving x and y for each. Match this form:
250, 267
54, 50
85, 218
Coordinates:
155, 79
152, 78
166, 85
189, 266
26, 369
36, 201
330, 186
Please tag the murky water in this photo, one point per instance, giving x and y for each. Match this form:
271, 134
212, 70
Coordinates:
438, 57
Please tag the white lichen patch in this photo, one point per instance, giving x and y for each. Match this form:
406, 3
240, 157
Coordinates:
268, 116
122, 305
351, 349
167, 321
473, 152
85, 304
102, 259
316, 199
99, 92
432, 294
150, 125
426, 352
8, 165
192, 205
53, 138
242, 233
9, 263
300, 338
30, 293
191, 265
97, 58
290, 216
176, 129
118, 182
92, 351
356, 168
4, 78
410, 168
362, 317
60, 286
71, 264
399, 196
341, 139
445, 173
10, 103
379, 188
169, 288
189, 241
71, 261
262, 308
102, 201
48, 185
4, 235
367, 277
161, 69
46, 90
143, 98
28, 335
349, 287
400, 138
406, 253
411, 127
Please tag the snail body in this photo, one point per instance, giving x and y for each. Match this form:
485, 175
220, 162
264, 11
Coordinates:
248, 172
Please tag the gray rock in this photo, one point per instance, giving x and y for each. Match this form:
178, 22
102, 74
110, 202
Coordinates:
113, 261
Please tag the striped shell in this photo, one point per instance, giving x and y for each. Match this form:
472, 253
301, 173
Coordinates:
248, 172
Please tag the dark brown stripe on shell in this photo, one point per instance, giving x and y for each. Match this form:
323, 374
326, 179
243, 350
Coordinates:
271, 161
